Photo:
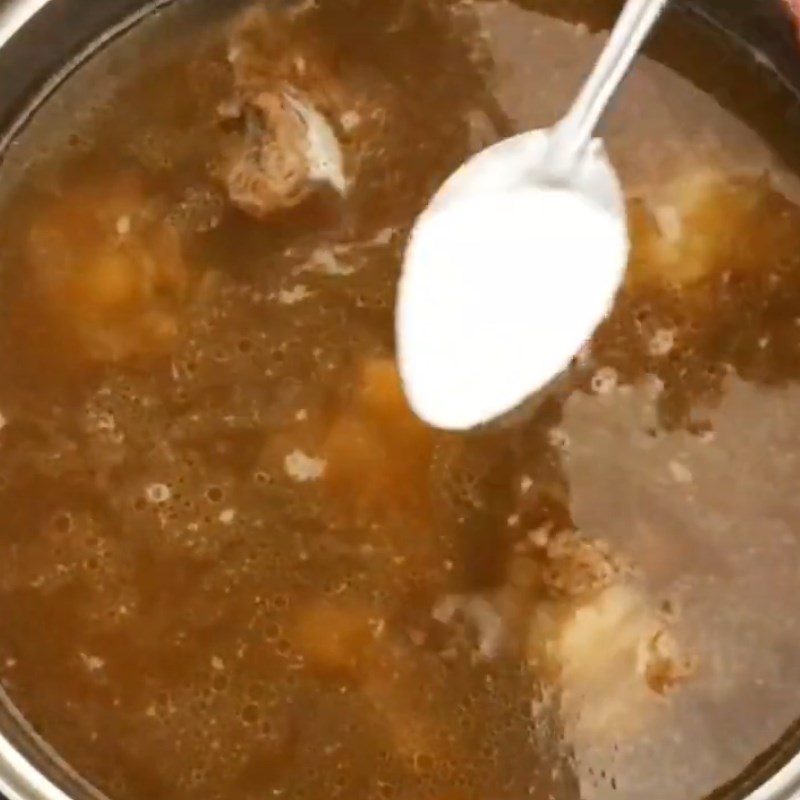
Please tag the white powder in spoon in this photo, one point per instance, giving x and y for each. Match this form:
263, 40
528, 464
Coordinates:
499, 291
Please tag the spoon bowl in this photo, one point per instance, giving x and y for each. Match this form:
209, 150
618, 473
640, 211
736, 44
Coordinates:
519, 281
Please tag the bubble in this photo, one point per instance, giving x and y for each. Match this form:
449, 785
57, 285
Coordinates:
63, 522
214, 494
604, 381
157, 493
272, 631
281, 601
250, 714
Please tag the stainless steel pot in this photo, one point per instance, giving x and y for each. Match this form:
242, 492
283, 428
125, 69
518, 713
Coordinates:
43, 41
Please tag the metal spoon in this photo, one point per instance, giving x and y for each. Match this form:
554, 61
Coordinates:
450, 293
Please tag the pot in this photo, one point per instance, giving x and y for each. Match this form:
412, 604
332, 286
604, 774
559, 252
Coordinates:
43, 41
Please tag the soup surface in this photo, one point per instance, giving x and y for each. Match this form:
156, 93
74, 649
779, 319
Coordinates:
236, 566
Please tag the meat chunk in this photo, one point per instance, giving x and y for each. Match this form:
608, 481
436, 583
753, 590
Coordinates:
378, 452
612, 656
334, 638
344, 640
108, 270
704, 223
587, 628
287, 151
285, 146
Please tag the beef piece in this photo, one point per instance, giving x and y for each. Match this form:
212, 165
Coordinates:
284, 147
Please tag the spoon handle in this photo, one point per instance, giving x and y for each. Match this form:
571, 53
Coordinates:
574, 132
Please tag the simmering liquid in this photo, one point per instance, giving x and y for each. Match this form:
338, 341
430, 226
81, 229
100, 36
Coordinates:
234, 563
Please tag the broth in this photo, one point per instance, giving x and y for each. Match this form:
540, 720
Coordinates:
235, 565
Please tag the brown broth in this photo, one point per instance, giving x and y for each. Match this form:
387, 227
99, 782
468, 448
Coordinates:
226, 540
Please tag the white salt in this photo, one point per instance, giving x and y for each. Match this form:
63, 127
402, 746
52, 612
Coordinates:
499, 291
